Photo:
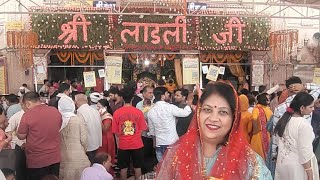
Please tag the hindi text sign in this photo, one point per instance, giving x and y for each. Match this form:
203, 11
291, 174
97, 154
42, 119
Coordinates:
70, 29
234, 22
234, 33
15, 26
190, 71
89, 79
152, 33
113, 69
73, 31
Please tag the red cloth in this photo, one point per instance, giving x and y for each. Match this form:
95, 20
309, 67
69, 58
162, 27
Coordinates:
128, 124
284, 95
108, 143
264, 131
41, 124
99, 85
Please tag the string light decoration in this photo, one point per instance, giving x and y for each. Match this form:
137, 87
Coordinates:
233, 33
88, 31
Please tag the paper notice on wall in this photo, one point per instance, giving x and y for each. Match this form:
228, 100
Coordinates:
40, 69
222, 70
316, 76
190, 72
257, 73
113, 69
213, 73
40, 65
205, 69
89, 79
102, 73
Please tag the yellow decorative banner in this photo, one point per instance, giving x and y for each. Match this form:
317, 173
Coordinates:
89, 79
190, 71
113, 69
15, 25
213, 73
3, 77
316, 76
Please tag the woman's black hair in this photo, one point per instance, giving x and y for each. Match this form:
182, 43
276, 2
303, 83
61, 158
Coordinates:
2, 110
226, 91
301, 99
105, 104
7, 172
263, 99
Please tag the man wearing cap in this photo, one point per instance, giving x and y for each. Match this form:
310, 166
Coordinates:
95, 97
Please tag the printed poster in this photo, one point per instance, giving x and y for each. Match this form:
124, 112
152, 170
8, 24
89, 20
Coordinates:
40, 65
257, 73
113, 69
101, 72
213, 73
190, 71
222, 70
205, 69
316, 76
89, 79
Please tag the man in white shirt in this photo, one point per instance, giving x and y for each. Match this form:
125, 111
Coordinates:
21, 166
162, 120
144, 106
92, 121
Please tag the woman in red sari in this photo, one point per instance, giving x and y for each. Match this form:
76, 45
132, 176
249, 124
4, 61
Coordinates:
108, 142
214, 147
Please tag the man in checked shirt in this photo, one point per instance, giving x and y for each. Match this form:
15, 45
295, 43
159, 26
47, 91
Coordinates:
294, 85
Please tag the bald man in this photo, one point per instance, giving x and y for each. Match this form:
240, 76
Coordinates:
92, 121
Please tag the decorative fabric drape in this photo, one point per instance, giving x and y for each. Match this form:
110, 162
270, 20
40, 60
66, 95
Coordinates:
221, 57
178, 72
24, 41
226, 57
283, 45
237, 70
81, 57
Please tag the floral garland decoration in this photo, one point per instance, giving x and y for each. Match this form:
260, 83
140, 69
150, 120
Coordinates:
92, 30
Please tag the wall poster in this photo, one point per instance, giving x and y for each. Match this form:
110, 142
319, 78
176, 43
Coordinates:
113, 69
190, 71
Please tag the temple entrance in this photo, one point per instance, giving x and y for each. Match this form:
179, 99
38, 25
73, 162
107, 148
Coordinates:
147, 68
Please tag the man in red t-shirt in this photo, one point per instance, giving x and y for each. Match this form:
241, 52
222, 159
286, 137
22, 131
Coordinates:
128, 124
40, 125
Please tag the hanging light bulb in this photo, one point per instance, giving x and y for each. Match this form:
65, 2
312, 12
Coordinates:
146, 62
137, 59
